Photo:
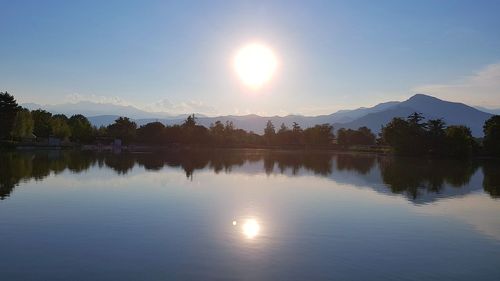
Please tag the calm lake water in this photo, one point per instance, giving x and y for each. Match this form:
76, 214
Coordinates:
246, 215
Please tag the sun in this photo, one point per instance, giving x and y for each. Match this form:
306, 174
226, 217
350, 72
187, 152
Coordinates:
251, 228
255, 64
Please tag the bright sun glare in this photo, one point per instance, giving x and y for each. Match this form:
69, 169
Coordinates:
251, 228
255, 64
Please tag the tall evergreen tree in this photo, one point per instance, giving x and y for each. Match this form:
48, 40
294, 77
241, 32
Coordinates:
436, 136
190, 122
415, 119
269, 132
8, 111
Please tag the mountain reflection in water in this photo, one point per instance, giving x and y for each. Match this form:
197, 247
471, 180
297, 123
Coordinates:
419, 180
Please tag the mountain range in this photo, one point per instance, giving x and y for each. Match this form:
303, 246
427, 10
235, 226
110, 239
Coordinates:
452, 113
495, 111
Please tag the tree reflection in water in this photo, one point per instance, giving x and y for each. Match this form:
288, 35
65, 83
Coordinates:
361, 163
409, 176
491, 182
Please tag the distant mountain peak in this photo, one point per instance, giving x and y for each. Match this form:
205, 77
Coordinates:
423, 97
453, 113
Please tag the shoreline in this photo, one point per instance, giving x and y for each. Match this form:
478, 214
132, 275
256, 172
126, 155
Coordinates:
138, 148
151, 148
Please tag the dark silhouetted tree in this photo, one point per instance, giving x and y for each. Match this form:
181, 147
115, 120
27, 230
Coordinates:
398, 134
284, 135
60, 127
217, 132
230, 136
319, 135
43, 123
406, 136
297, 133
436, 136
23, 125
151, 133
361, 136
81, 129
123, 129
191, 133
190, 122
491, 131
415, 119
61, 116
459, 141
173, 134
8, 111
269, 132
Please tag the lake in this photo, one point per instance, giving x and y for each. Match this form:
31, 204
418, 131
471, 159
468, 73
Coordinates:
247, 215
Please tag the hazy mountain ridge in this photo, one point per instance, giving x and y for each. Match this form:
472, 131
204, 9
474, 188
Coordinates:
88, 108
375, 117
495, 111
452, 113
344, 116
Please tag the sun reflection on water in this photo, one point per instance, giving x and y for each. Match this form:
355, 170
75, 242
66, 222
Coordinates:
250, 228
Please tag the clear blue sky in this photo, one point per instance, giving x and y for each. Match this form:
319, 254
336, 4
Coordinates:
175, 56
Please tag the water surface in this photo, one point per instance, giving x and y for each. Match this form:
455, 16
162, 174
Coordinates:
247, 215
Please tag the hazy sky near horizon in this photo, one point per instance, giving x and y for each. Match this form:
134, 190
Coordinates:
175, 56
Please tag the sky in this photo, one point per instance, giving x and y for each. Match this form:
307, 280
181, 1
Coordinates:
176, 56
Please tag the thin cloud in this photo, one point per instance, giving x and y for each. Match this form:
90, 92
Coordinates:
76, 97
163, 105
166, 105
481, 88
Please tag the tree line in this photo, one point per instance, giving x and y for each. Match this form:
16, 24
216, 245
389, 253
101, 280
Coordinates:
413, 136
219, 134
20, 124
406, 136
